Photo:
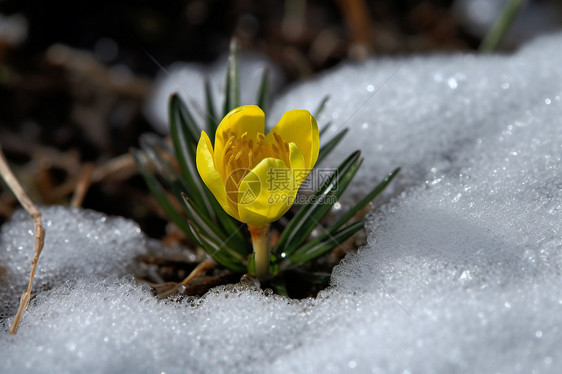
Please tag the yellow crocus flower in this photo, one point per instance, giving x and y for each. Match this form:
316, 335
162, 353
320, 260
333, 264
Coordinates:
255, 177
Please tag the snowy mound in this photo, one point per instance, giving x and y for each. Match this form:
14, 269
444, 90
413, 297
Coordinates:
78, 244
462, 269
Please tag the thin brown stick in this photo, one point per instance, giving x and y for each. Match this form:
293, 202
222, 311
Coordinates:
38, 232
201, 268
166, 289
83, 184
116, 169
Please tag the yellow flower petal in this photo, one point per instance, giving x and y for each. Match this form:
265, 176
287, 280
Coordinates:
300, 127
299, 171
211, 177
266, 192
245, 119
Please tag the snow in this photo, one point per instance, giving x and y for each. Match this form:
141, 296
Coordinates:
461, 272
78, 243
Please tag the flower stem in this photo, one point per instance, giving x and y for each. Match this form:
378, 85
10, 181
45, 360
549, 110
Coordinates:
259, 241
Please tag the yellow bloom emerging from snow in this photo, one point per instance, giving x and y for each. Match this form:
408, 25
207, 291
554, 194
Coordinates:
255, 177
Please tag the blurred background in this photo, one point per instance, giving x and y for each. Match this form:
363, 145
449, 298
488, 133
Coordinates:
74, 76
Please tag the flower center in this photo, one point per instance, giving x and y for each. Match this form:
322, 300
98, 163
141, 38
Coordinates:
243, 153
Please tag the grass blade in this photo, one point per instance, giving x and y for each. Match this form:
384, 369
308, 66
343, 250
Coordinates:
310, 214
324, 129
185, 136
211, 114
160, 194
215, 250
175, 182
263, 94
321, 106
204, 224
181, 117
320, 245
232, 86
366, 200
330, 145
317, 248
500, 27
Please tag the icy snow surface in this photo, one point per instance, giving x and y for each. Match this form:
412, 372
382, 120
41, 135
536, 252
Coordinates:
461, 273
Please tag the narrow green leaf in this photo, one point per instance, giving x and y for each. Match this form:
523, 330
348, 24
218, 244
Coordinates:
263, 94
185, 136
310, 214
204, 224
280, 287
216, 251
321, 244
321, 106
159, 194
201, 220
234, 48
330, 145
317, 248
171, 178
229, 224
501, 25
232, 86
324, 129
273, 264
366, 200
211, 114
182, 130
227, 91
181, 116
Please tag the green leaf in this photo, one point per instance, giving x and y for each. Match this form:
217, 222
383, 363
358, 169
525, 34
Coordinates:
280, 287
310, 214
204, 224
232, 86
323, 130
273, 264
321, 106
501, 25
185, 139
263, 100
191, 185
211, 114
366, 200
216, 251
316, 248
160, 194
330, 145
321, 244
181, 117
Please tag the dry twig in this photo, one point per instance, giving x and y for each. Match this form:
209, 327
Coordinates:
38, 231
166, 289
82, 185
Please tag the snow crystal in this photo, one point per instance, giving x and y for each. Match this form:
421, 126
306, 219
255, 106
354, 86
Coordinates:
461, 271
